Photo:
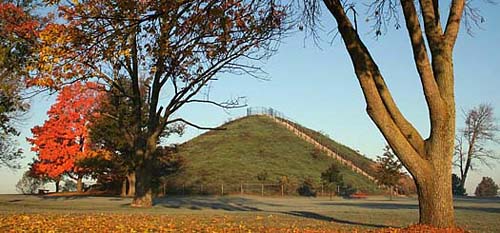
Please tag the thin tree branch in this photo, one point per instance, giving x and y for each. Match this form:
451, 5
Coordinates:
193, 125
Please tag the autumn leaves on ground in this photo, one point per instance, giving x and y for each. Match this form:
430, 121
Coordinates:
162, 223
233, 213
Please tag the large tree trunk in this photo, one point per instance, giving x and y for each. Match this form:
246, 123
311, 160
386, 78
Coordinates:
143, 193
428, 160
435, 199
436, 203
79, 184
144, 173
131, 183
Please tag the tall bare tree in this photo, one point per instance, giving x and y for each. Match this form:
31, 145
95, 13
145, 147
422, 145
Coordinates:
429, 160
472, 141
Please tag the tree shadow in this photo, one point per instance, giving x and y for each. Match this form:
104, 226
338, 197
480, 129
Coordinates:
400, 206
213, 203
312, 215
75, 196
481, 209
376, 205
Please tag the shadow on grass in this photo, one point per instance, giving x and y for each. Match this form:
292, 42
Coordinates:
376, 205
213, 203
482, 209
312, 215
399, 206
75, 196
15, 200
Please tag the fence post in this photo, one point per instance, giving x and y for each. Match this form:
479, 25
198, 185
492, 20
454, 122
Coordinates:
322, 193
262, 191
164, 189
222, 189
282, 190
241, 188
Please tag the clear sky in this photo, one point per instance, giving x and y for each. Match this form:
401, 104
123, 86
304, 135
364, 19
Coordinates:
317, 88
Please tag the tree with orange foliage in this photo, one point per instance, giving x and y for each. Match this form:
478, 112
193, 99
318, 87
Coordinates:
62, 141
179, 46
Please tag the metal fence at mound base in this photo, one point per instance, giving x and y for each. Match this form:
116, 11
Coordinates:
261, 189
301, 132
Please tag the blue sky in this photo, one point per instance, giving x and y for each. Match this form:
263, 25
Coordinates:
317, 88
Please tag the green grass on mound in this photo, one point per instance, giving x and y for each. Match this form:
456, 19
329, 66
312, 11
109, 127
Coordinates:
250, 146
342, 150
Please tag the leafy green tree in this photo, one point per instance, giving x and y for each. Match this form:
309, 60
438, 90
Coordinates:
307, 188
388, 170
347, 190
332, 178
486, 188
112, 131
457, 188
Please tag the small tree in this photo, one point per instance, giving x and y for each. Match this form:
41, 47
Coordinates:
389, 169
456, 186
284, 182
307, 188
480, 129
332, 178
29, 184
347, 190
486, 188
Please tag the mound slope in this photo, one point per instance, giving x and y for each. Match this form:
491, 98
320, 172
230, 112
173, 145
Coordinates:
253, 146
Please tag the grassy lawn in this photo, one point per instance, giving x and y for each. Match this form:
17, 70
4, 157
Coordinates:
228, 214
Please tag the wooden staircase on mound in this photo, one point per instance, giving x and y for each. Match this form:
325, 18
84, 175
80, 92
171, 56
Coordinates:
321, 147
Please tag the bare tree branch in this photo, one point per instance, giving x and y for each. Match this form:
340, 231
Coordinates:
193, 125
